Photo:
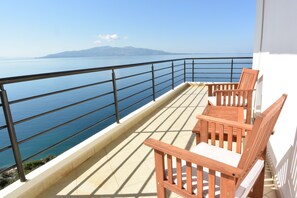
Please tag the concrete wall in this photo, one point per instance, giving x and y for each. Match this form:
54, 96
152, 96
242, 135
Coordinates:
275, 55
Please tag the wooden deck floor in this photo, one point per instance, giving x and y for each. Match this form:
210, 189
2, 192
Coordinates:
125, 168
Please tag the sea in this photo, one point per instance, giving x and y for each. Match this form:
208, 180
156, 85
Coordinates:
87, 124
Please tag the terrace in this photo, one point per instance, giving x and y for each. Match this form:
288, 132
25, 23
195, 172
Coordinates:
112, 162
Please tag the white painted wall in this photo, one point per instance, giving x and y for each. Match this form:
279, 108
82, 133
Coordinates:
275, 55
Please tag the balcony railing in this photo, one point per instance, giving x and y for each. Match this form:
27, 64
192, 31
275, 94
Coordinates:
49, 113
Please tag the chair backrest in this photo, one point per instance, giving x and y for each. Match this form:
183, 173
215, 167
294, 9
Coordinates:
248, 78
258, 139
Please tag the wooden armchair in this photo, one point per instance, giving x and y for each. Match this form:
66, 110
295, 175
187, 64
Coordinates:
210, 171
235, 94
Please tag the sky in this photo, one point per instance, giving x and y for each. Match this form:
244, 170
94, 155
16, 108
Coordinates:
35, 28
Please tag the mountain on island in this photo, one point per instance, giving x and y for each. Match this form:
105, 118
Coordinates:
108, 51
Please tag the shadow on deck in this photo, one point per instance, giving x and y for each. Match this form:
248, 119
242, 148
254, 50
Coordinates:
125, 168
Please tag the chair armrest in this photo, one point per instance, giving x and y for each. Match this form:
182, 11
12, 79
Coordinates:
194, 158
227, 130
226, 123
221, 84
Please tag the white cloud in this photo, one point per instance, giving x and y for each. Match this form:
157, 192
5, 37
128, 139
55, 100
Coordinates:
98, 42
108, 37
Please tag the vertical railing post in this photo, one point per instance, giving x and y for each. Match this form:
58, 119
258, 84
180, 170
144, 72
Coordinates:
231, 77
172, 74
115, 95
193, 70
153, 82
12, 134
184, 71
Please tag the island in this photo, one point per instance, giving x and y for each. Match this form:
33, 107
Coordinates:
108, 51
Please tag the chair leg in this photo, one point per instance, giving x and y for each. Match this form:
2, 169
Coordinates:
159, 168
258, 188
248, 116
161, 191
198, 138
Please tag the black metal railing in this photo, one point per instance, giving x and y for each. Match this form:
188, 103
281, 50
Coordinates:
79, 103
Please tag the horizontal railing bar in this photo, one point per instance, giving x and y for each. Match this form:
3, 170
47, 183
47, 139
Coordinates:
134, 94
162, 75
214, 63
211, 77
179, 75
61, 108
218, 58
179, 70
69, 137
162, 82
214, 73
177, 65
162, 68
179, 81
124, 109
62, 124
3, 127
226, 68
163, 88
5, 148
124, 77
211, 63
123, 88
56, 92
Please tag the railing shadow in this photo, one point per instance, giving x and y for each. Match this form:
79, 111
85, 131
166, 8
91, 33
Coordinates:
286, 171
131, 185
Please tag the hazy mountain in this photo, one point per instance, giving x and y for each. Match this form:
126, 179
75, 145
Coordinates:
107, 51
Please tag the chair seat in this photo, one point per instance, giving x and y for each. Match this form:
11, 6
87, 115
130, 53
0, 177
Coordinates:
243, 103
224, 156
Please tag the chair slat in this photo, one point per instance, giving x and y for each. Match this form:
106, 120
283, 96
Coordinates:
213, 133
199, 181
238, 141
169, 169
179, 173
211, 183
189, 177
230, 137
220, 128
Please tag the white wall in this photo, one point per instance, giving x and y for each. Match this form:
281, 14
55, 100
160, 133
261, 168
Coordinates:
275, 55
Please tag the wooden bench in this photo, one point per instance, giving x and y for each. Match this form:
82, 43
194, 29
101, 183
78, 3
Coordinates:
235, 94
212, 171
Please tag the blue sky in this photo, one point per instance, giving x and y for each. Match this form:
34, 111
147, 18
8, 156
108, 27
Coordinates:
34, 28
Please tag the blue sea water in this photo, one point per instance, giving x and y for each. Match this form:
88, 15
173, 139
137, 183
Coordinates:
19, 67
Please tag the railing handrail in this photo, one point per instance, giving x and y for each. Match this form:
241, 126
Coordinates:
15, 79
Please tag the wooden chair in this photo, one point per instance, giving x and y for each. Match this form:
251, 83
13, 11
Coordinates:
235, 94
210, 171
